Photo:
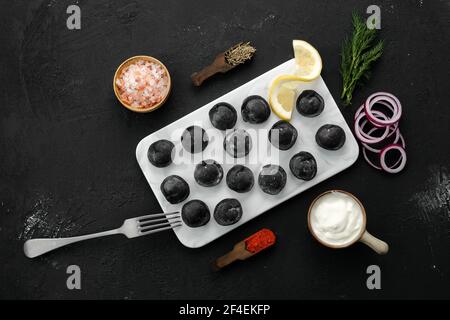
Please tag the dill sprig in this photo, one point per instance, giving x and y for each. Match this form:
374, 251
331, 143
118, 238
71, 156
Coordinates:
358, 54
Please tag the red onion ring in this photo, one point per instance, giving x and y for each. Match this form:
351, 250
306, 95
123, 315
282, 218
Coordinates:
393, 169
369, 161
364, 138
360, 109
402, 140
375, 121
366, 157
381, 121
368, 136
398, 136
383, 98
360, 128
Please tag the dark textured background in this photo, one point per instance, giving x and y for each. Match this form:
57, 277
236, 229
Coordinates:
67, 163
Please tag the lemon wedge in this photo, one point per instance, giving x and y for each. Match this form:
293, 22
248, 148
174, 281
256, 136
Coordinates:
307, 60
283, 89
282, 94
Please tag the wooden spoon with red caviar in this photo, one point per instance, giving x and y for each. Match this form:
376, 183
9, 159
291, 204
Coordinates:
257, 242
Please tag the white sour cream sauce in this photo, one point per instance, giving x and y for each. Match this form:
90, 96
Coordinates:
336, 218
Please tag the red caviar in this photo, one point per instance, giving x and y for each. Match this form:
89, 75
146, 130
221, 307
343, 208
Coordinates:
260, 240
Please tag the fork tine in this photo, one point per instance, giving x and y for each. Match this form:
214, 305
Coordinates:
157, 215
158, 230
156, 226
149, 222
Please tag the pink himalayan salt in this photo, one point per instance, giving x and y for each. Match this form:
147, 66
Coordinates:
143, 84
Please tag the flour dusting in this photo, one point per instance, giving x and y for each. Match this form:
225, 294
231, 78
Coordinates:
433, 201
263, 22
40, 222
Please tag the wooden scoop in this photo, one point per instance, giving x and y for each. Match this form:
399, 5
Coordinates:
239, 252
219, 65
257, 242
225, 61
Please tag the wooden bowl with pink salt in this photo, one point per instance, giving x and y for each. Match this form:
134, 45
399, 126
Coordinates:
142, 83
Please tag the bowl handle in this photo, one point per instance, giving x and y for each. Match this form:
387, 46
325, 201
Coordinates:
375, 244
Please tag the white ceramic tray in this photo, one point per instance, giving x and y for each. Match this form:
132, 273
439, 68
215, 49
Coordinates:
254, 202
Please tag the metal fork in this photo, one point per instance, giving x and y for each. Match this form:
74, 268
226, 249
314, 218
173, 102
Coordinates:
131, 228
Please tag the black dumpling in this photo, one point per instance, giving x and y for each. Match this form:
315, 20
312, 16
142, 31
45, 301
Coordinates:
160, 153
237, 143
272, 179
283, 135
175, 189
195, 213
240, 178
303, 166
208, 173
310, 103
330, 137
255, 109
228, 212
223, 116
194, 139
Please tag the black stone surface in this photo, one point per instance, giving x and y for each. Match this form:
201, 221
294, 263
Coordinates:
68, 166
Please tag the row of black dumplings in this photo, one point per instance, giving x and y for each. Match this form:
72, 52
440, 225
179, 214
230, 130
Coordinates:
209, 173
271, 178
195, 213
255, 109
238, 142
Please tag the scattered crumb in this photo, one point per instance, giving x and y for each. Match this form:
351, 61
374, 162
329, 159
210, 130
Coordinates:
433, 201
42, 223
261, 23
55, 265
51, 3
37, 218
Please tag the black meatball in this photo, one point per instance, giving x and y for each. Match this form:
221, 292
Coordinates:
240, 179
283, 135
303, 165
330, 137
194, 139
195, 213
223, 116
310, 103
272, 179
160, 153
255, 109
237, 143
175, 189
228, 212
208, 173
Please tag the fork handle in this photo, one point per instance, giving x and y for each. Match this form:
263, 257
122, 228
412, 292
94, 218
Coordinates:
35, 247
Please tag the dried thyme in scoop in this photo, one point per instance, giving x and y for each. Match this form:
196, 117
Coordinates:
239, 54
